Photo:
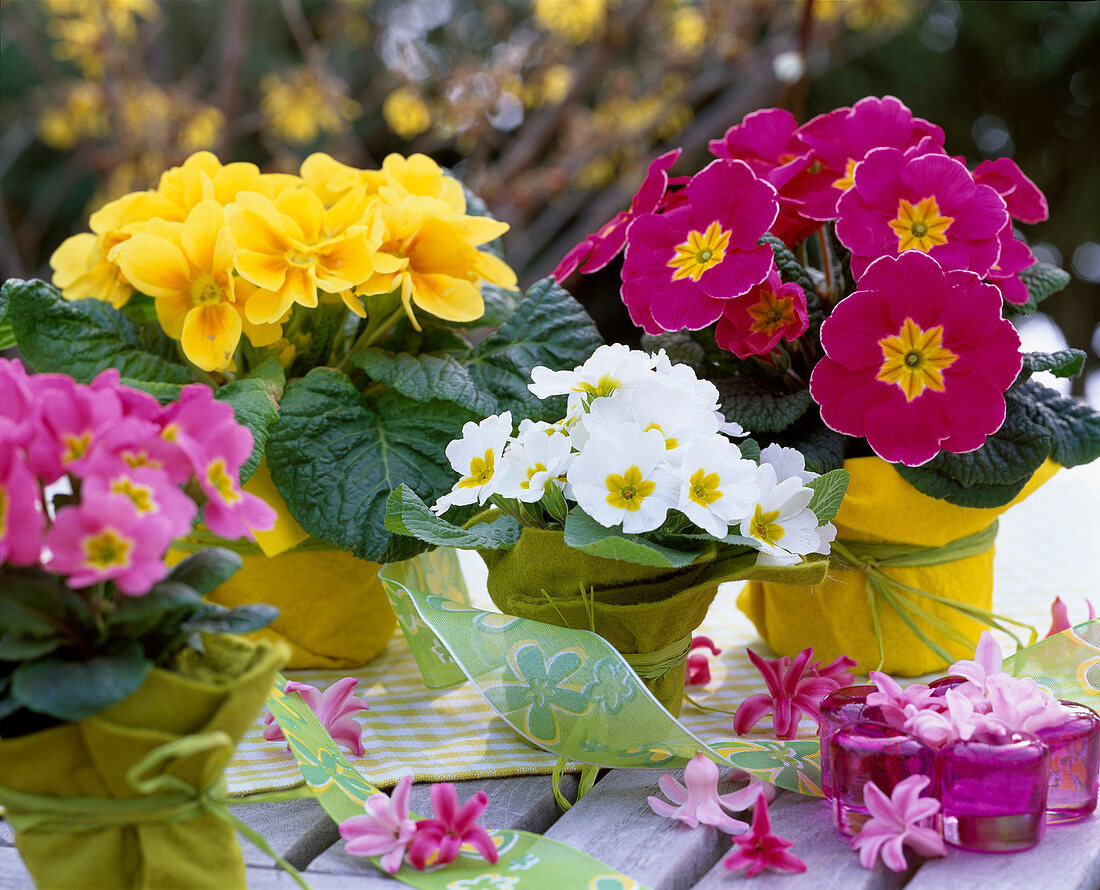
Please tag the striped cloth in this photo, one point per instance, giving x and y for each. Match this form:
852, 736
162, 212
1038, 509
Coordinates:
1043, 549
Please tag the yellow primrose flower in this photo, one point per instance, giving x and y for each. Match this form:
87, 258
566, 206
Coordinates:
418, 175
294, 246
203, 177
331, 180
187, 268
406, 113
85, 267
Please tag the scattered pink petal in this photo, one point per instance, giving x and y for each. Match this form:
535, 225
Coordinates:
900, 820
698, 664
450, 828
385, 830
758, 849
334, 708
700, 802
792, 691
1059, 613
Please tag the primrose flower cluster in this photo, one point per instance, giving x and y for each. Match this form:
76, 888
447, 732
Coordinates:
226, 250
642, 447
135, 469
916, 358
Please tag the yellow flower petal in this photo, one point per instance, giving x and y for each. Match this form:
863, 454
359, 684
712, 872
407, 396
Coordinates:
452, 299
210, 335
494, 270
305, 209
265, 306
172, 312
155, 266
262, 269
200, 236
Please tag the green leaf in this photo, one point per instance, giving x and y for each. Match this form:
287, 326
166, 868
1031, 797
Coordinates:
166, 606
32, 604
255, 403
7, 336
83, 337
335, 457
215, 618
760, 406
1064, 363
406, 514
583, 533
162, 392
499, 304
1041, 280
823, 448
1073, 426
680, 347
26, 648
206, 569
750, 449
829, 491
790, 270
73, 690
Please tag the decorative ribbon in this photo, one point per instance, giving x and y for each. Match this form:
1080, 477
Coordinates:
654, 665
166, 798
870, 557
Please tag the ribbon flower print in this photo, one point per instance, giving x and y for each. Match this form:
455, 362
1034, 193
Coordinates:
334, 708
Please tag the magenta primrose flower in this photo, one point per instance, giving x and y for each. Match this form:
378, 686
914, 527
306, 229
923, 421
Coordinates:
901, 820
758, 849
916, 360
929, 204
150, 492
334, 707
449, 828
21, 519
698, 801
384, 830
683, 266
1059, 614
771, 311
793, 690
698, 663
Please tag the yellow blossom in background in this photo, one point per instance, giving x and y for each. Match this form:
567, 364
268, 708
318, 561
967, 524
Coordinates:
687, 26
578, 21
860, 14
406, 113
202, 129
302, 107
83, 113
557, 80
81, 29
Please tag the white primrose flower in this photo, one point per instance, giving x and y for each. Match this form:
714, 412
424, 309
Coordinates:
787, 462
622, 477
781, 522
717, 486
535, 460
607, 370
476, 458
702, 393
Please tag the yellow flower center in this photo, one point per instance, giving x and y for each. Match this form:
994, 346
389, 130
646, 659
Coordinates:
75, 446
206, 291
222, 482
481, 470
301, 260
107, 550
764, 527
846, 181
605, 386
914, 359
771, 312
701, 251
626, 492
140, 459
170, 432
921, 227
704, 488
537, 468
3, 512
140, 495
670, 441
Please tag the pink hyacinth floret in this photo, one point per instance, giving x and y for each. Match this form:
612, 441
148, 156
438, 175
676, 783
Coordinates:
384, 830
1059, 613
892, 699
697, 800
698, 663
793, 690
684, 265
439, 839
901, 820
917, 360
758, 849
335, 708
771, 311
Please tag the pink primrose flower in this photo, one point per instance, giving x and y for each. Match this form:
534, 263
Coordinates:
792, 691
698, 664
384, 830
21, 517
135, 403
150, 491
758, 849
334, 707
928, 204
901, 820
766, 140
1015, 257
107, 539
449, 828
1059, 614
683, 266
917, 359
893, 700
18, 410
842, 138
698, 801
771, 311
602, 246
1023, 197
73, 418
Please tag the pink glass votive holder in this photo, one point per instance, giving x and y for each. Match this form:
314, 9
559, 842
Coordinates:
1074, 764
993, 791
874, 752
841, 707
940, 686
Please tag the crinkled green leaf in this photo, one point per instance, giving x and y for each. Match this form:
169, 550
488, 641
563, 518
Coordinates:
750, 449
162, 392
1041, 280
166, 605
500, 303
217, 619
335, 456
407, 514
759, 405
1063, 363
255, 403
1074, 427
83, 337
680, 347
436, 375
73, 690
823, 448
583, 533
829, 491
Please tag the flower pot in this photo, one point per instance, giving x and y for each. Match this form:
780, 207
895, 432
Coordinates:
645, 612
83, 815
835, 616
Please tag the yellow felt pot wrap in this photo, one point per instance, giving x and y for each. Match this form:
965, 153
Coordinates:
636, 608
834, 616
224, 691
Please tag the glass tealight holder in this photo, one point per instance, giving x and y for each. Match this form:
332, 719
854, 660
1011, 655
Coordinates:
1074, 764
875, 752
841, 707
939, 687
993, 791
